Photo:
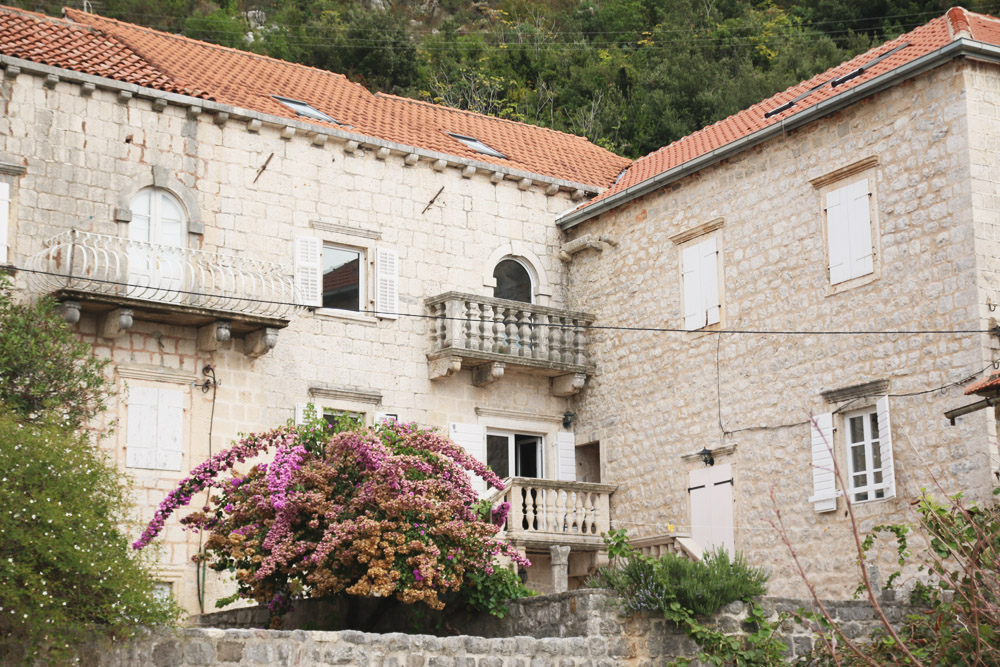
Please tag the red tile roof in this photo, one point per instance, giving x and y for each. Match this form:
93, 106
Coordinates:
127, 52
957, 22
990, 386
63, 44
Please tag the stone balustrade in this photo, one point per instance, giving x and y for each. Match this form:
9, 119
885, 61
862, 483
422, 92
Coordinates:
546, 512
490, 335
659, 545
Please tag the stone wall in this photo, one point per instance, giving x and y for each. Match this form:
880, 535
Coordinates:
661, 396
569, 629
256, 187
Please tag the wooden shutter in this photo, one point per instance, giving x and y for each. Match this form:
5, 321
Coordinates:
140, 445
4, 221
858, 202
565, 456
300, 413
885, 446
309, 271
694, 312
386, 283
711, 498
169, 429
710, 298
472, 438
824, 497
838, 236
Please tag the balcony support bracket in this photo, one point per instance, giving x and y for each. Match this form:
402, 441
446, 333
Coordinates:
568, 385
213, 336
444, 367
259, 342
70, 311
487, 373
117, 323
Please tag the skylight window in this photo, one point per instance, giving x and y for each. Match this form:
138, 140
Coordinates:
477, 145
305, 109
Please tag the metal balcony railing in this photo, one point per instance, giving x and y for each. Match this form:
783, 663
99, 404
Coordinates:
97, 264
480, 329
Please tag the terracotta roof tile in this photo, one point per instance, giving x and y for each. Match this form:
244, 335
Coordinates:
990, 385
957, 22
63, 44
248, 80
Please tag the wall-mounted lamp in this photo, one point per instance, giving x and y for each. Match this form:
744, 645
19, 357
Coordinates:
568, 418
706, 457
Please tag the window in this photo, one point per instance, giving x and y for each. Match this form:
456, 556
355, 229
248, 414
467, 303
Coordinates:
336, 277
332, 416
514, 454
513, 281
4, 221
849, 231
867, 448
477, 145
305, 109
155, 423
157, 218
342, 278
700, 269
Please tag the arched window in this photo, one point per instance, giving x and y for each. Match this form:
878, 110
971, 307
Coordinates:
513, 281
158, 217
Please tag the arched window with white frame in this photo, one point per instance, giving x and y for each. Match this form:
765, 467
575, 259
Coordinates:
513, 281
157, 238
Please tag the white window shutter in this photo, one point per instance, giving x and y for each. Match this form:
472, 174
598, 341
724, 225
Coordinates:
711, 301
4, 221
386, 283
885, 446
824, 496
566, 456
858, 202
300, 413
694, 312
386, 417
309, 271
169, 429
140, 443
472, 438
838, 236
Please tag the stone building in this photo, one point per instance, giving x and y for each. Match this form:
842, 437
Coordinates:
752, 256
243, 236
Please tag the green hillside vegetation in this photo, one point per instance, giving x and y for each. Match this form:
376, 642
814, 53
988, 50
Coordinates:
631, 75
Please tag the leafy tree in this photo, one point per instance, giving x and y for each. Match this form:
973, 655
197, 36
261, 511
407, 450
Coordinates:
66, 572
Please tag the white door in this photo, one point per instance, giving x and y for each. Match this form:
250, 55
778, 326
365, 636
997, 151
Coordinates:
156, 256
711, 496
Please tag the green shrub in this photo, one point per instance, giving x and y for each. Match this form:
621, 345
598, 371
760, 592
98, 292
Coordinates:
491, 592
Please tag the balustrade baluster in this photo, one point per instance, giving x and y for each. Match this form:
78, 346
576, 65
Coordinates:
588, 514
472, 340
562, 506
555, 339
486, 324
540, 336
499, 331
580, 343
524, 334
510, 322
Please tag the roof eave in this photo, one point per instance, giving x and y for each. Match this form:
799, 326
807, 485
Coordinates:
959, 47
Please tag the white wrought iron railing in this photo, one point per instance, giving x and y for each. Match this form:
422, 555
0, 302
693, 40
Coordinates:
532, 333
113, 266
556, 512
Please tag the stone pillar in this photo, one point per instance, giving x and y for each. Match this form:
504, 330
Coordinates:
560, 568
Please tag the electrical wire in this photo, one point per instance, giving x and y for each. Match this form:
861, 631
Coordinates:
591, 327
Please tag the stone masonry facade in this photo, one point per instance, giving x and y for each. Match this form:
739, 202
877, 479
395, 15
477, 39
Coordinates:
930, 147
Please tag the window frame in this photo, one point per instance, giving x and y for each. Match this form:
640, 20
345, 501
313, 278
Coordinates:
688, 248
840, 179
306, 110
528, 269
512, 451
871, 488
477, 145
364, 298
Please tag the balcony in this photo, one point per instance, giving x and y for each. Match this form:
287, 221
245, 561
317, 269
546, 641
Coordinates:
545, 513
120, 281
491, 336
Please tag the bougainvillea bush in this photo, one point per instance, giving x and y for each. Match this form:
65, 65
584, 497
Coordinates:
384, 512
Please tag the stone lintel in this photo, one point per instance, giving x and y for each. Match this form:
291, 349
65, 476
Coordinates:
487, 373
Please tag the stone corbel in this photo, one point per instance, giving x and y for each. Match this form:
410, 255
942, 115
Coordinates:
568, 385
117, 323
212, 336
70, 311
487, 373
439, 369
259, 342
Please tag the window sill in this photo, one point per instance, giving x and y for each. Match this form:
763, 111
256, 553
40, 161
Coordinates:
346, 316
695, 334
846, 285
